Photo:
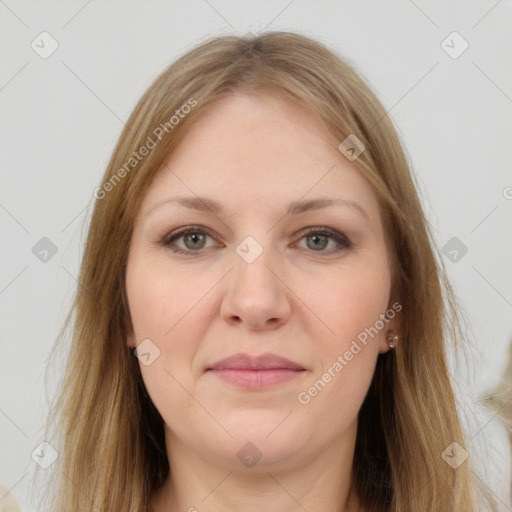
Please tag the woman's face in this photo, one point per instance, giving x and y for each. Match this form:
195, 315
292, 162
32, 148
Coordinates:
264, 270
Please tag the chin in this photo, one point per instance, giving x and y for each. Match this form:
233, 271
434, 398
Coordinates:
264, 448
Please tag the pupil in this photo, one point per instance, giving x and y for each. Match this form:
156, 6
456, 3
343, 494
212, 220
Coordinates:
316, 237
194, 238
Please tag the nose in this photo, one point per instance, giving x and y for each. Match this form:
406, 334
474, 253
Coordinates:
257, 297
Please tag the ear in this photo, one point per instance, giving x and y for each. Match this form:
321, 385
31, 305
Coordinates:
130, 341
384, 344
130, 335
393, 327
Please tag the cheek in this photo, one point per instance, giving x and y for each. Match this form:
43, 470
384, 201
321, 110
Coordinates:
169, 308
352, 310
160, 298
347, 303
162, 306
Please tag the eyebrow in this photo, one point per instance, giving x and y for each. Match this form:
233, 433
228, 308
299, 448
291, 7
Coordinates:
296, 207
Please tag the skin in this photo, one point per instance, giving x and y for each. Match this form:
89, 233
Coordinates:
303, 298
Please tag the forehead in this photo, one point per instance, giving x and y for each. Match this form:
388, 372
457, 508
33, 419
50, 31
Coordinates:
259, 152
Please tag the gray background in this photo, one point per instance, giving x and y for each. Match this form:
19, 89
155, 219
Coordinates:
61, 116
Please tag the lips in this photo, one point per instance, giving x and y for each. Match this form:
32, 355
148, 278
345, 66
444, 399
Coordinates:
256, 373
261, 362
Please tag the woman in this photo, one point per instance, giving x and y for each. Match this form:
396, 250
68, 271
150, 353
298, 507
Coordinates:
260, 322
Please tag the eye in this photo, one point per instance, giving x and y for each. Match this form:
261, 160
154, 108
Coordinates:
194, 238
317, 239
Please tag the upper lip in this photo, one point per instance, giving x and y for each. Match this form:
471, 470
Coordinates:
261, 362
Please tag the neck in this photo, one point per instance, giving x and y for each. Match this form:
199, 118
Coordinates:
320, 482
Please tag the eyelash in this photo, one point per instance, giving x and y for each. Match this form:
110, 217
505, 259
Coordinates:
169, 238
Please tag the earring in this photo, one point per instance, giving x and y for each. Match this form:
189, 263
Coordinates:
392, 340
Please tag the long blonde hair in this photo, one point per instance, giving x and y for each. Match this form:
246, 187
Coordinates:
110, 437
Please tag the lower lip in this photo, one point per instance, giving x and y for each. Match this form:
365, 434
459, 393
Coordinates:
257, 379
